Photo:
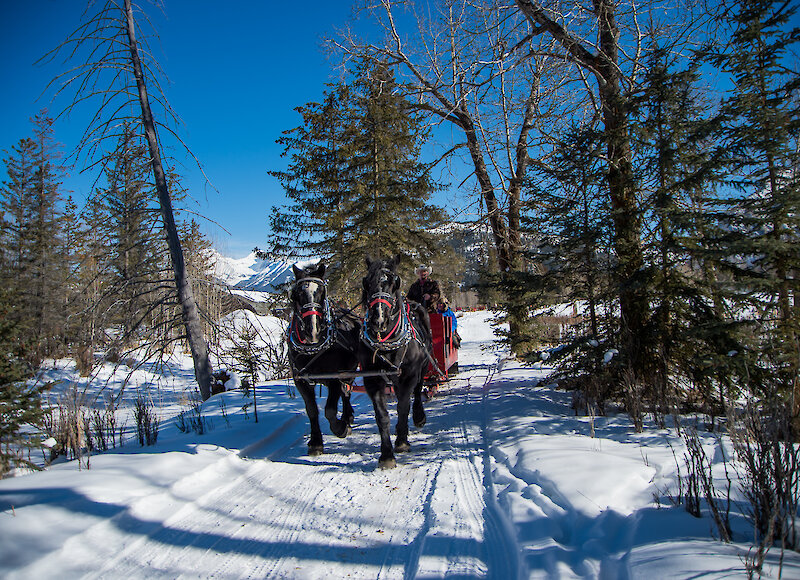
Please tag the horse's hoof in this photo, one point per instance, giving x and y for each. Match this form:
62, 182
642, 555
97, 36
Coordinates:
387, 463
420, 420
402, 447
315, 450
344, 432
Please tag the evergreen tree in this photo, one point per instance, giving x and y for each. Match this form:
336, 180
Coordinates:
133, 262
33, 240
391, 210
689, 339
317, 181
356, 181
759, 228
20, 405
16, 192
48, 252
567, 211
92, 303
73, 234
200, 266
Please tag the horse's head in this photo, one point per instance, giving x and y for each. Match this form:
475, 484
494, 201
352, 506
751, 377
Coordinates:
308, 303
381, 294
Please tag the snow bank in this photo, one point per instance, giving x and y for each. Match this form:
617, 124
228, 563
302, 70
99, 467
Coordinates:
502, 482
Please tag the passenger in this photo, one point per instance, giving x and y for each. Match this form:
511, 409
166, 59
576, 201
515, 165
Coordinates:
443, 308
424, 290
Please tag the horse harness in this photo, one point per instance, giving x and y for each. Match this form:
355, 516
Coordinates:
399, 336
297, 342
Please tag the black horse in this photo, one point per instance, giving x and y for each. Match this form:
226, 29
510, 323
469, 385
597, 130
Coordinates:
395, 341
322, 344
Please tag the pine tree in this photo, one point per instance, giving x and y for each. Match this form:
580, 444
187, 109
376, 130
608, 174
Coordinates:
72, 233
20, 405
200, 266
33, 240
759, 232
16, 192
48, 256
392, 213
133, 261
567, 213
356, 181
316, 182
689, 339
92, 279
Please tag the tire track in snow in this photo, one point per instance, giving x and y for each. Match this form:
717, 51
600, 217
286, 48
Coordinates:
469, 536
506, 556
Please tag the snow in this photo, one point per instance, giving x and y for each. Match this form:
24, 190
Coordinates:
502, 482
252, 276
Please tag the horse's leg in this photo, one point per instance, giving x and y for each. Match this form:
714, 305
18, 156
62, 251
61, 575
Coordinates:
377, 392
403, 392
419, 411
347, 408
340, 428
306, 389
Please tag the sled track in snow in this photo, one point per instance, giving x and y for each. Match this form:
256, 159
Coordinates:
270, 511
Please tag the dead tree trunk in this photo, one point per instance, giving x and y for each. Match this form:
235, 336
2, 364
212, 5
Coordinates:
191, 317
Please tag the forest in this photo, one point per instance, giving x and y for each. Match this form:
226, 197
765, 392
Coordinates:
638, 160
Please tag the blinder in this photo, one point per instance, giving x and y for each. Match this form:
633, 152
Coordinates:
312, 308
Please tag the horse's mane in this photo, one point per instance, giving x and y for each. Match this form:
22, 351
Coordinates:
374, 267
346, 319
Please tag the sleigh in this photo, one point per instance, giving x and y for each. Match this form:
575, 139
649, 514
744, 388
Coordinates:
445, 353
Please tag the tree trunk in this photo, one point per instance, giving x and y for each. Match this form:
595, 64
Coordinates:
634, 304
604, 65
191, 317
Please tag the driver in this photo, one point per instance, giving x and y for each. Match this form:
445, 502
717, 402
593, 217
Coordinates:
424, 290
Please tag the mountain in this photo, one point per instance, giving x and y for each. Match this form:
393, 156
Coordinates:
252, 274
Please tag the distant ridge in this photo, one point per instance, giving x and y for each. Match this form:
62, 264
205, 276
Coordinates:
251, 273
472, 241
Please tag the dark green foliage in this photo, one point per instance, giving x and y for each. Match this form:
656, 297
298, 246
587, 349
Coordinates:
677, 173
20, 405
568, 213
34, 254
758, 220
132, 262
354, 180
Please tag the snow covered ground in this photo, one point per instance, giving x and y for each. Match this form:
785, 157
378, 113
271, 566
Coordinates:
502, 482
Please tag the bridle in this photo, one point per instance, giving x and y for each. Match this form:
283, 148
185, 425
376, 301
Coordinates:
402, 331
323, 311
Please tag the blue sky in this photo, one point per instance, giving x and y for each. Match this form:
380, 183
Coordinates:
237, 70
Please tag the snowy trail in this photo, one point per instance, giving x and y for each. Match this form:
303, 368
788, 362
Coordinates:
503, 482
271, 511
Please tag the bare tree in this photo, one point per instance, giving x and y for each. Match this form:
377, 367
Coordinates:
605, 41
463, 70
109, 67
